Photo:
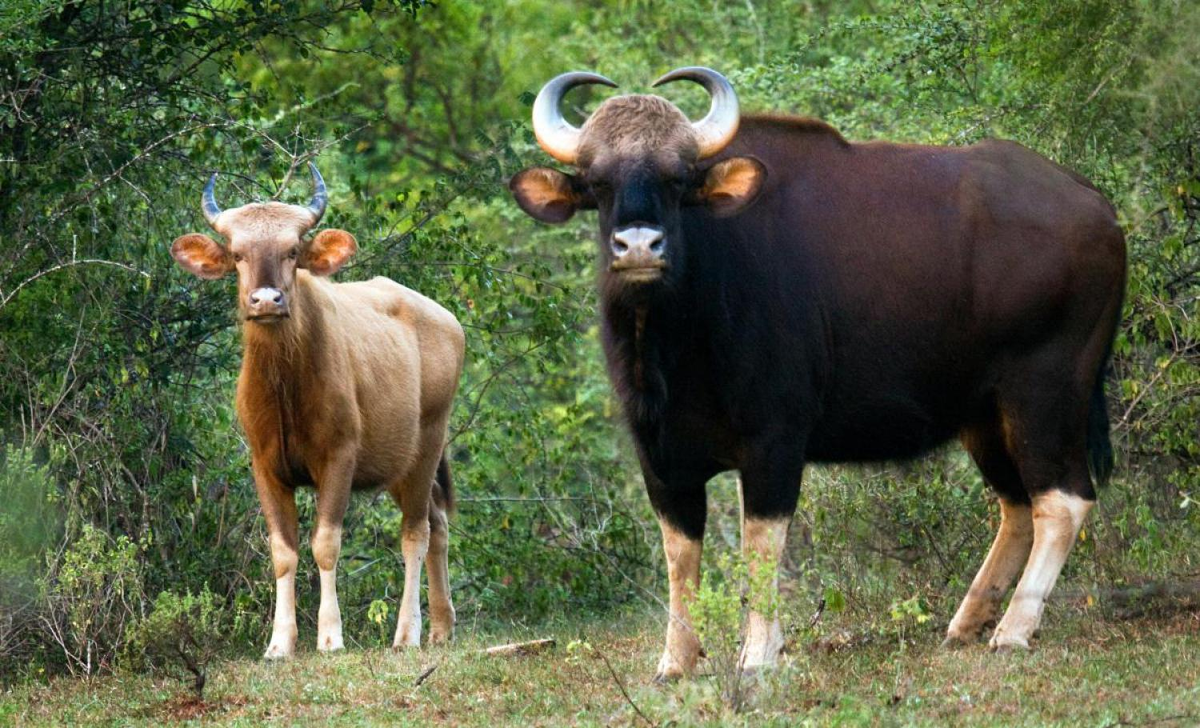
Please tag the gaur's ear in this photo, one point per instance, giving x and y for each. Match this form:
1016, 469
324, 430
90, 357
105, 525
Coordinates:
202, 256
731, 185
548, 195
328, 251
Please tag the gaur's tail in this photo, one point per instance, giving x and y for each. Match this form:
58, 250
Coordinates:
1099, 446
443, 492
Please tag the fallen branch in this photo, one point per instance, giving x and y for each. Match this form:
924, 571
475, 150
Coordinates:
624, 692
520, 649
1137, 595
424, 675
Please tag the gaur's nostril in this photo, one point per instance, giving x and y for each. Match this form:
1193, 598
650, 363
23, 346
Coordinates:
657, 246
619, 247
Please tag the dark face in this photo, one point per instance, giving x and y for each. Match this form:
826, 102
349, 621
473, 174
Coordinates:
638, 169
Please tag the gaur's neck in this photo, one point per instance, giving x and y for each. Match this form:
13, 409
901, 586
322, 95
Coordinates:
639, 341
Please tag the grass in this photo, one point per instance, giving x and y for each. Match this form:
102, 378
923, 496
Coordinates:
1086, 671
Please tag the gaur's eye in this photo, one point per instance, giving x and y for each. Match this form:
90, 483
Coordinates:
237, 257
293, 253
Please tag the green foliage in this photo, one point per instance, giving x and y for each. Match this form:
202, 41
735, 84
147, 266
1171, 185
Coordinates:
180, 637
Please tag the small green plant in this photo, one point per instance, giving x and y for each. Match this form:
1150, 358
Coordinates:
719, 609
181, 637
908, 613
377, 614
93, 593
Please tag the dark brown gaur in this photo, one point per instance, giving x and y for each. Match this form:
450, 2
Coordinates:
773, 295
344, 386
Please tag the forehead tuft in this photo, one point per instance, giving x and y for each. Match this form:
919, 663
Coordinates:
637, 125
265, 220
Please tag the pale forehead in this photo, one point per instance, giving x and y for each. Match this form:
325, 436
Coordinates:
638, 125
265, 221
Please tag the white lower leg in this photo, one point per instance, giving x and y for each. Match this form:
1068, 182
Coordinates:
1008, 554
283, 633
414, 545
683, 573
329, 617
326, 547
763, 540
1057, 517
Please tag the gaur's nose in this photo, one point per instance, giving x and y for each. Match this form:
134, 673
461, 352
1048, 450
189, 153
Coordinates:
267, 302
266, 295
638, 246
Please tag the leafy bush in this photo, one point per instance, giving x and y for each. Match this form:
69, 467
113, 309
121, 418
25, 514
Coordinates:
30, 522
180, 637
93, 594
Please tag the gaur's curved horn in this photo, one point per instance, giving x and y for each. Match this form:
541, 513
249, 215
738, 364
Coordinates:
320, 197
553, 132
209, 203
716, 130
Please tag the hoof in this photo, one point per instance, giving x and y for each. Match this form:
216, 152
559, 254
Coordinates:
440, 637
958, 641
750, 668
669, 671
330, 644
408, 636
275, 653
1005, 644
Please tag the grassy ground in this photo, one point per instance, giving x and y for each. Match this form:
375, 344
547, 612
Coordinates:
1086, 671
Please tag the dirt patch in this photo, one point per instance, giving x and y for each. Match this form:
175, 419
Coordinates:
189, 707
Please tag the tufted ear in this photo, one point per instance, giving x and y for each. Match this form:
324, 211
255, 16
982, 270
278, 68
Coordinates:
328, 251
731, 185
548, 195
202, 256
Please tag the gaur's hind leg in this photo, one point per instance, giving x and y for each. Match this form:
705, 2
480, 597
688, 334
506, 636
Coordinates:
414, 544
981, 605
1045, 424
414, 496
1057, 517
441, 609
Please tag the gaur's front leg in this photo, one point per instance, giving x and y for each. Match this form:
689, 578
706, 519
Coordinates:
278, 503
680, 501
768, 489
333, 496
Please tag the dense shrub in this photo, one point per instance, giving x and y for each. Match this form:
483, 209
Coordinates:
180, 637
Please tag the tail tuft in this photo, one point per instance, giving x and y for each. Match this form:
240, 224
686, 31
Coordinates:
444, 492
1099, 446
